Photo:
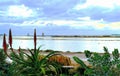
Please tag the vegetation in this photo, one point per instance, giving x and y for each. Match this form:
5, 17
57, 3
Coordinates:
2, 62
28, 64
33, 63
6, 69
105, 64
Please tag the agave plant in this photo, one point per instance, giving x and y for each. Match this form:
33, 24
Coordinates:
28, 63
2, 62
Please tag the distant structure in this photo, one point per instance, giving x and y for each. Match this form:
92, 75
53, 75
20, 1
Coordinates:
115, 34
1, 34
43, 34
28, 34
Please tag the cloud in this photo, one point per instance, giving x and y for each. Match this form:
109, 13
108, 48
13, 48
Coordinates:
20, 11
80, 23
83, 23
75, 14
108, 10
114, 25
48, 3
97, 3
51, 8
69, 9
16, 14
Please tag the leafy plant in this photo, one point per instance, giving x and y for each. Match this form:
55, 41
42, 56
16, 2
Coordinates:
28, 63
83, 69
2, 62
5, 67
2, 57
105, 64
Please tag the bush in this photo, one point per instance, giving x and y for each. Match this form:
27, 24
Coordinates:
2, 57
105, 64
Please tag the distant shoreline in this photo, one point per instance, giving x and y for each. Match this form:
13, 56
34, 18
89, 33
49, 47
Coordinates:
85, 36
75, 36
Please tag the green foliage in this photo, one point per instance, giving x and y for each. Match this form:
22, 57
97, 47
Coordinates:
2, 57
6, 69
105, 64
3, 64
87, 53
28, 64
115, 54
80, 62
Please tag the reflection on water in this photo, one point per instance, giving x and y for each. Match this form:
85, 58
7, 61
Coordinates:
66, 44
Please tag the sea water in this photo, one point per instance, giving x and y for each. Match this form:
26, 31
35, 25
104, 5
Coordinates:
73, 44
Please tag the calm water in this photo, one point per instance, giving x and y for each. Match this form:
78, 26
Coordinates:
66, 44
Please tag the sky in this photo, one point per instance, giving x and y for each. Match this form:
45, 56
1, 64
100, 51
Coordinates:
60, 17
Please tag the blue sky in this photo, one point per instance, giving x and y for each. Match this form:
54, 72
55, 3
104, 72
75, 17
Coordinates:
60, 17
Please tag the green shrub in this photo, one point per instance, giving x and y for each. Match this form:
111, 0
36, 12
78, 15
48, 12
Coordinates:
29, 64
2, 62
5, 68
105, 64
2, 57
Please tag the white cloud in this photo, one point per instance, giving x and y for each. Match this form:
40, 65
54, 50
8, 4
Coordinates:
20, 11
36, 23
114, 25
84, 18
81, 22
100, 3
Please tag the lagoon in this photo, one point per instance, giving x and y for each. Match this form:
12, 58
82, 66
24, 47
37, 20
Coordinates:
72, 44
